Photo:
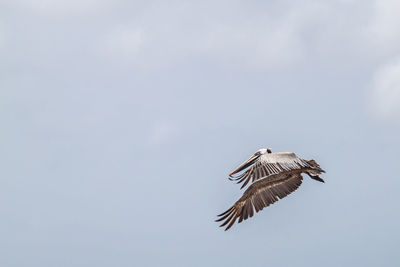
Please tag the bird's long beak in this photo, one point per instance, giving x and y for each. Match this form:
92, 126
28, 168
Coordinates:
244, 165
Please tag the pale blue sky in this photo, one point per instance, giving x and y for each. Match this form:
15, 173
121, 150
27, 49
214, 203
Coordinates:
120, 121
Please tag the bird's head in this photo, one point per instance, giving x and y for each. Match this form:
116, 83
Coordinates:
263, 151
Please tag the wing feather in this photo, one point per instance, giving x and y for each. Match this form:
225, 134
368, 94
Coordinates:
259, 195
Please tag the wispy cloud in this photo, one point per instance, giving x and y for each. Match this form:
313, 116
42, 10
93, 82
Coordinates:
162, 132
123, 43
254, 36
385, 95
2, 37
63, 7
277, 35
261, 40
385, 28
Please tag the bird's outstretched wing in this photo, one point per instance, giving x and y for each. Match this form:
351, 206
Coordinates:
259, 195
260, 166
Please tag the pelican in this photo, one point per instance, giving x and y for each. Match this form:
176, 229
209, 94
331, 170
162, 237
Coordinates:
273, 176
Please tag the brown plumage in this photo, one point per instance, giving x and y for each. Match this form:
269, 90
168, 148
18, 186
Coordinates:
267, 188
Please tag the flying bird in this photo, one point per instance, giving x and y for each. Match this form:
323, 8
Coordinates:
273, 176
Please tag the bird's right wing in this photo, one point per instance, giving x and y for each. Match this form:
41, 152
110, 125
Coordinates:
259, 195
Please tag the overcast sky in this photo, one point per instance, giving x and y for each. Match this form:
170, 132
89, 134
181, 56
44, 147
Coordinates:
120, 121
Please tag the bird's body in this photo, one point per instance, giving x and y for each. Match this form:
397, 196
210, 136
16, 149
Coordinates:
273, 175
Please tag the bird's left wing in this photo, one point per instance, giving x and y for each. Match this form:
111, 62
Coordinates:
259, 195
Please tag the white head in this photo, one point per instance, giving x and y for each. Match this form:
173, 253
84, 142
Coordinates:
263, 151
